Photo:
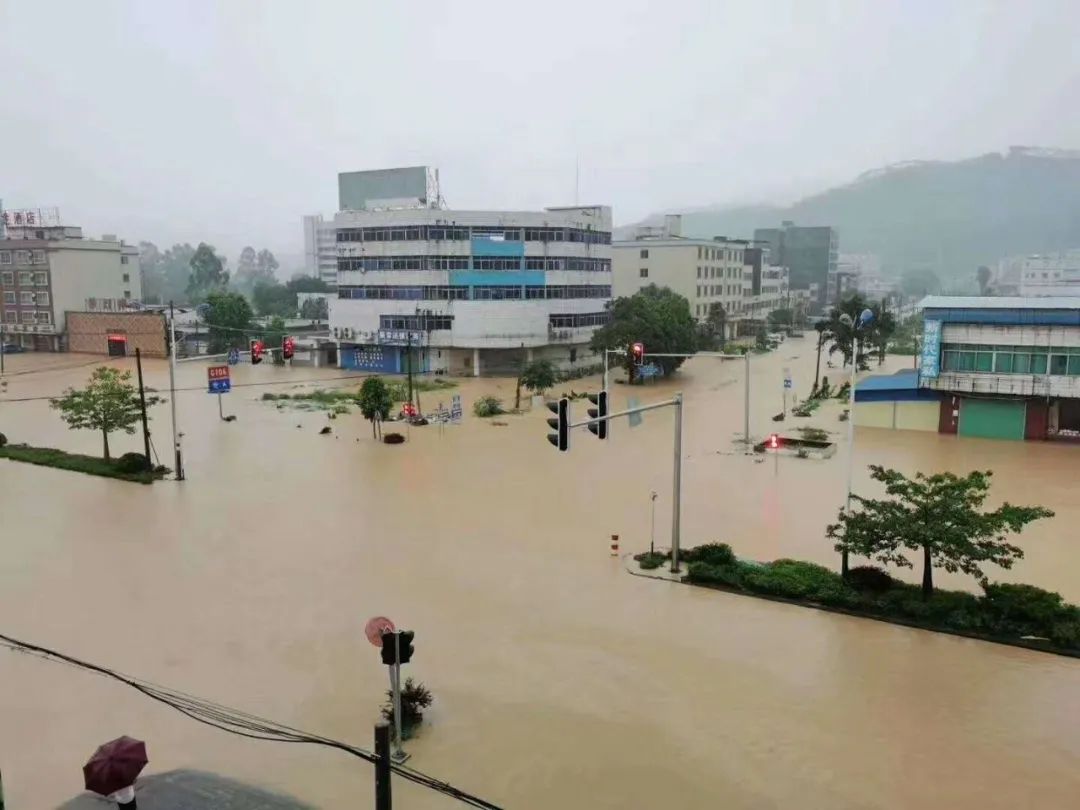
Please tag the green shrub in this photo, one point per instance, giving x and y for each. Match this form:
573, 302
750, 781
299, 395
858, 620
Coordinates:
131, 463
711, 553
1025, 609
415, 697
651, 559
488, 406
869, 578
91, 465
1066, 633
704, 573
793, 579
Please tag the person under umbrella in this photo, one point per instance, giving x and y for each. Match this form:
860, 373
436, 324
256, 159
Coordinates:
113, 768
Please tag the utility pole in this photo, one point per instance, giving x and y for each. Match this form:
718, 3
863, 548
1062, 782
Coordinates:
142, 408
383, 798
408, 361
1, 357
178, 455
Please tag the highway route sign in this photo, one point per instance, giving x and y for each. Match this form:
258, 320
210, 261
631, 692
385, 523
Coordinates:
217, 379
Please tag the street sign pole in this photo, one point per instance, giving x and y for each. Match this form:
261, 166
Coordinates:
220, 413
179, 460
399, 755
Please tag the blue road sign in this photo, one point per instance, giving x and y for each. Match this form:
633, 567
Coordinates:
234, 356
220, 386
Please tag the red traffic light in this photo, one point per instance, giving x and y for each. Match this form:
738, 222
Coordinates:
257, 349
638, 352
773, 442
288, 347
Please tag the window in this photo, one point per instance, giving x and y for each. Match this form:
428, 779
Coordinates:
644, 253
39, 257
700, 253
9, 297
1059, 364
126, 277
41, 279
44, 317
42, 299
26, 298
27, 316
127, 294
5, 257
10, 316
578, 320
8, 279
22, 257
26, 279
644, 272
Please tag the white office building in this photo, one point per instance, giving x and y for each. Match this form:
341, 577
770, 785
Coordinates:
320, 248
1051, 274
704, 271
467, 292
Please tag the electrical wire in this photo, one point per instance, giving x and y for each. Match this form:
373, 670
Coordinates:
240, 723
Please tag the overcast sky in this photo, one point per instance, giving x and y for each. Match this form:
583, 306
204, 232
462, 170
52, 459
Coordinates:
226, 121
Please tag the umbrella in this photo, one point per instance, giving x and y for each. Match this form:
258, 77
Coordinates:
115, 765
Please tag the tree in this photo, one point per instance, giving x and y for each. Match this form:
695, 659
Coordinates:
782, 317
538, 376
375, 402
151, 274
939, 515
254, 269
713, 332
108, 403
271, 298
208, 274
315, 309
840, 333
882, 328
302, 283
821, 327
656, 316
228, 315
982, 275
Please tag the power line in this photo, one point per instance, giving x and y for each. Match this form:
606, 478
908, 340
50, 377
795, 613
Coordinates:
354, 377
239, 722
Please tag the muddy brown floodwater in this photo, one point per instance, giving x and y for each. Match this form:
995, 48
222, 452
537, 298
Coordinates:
560, 680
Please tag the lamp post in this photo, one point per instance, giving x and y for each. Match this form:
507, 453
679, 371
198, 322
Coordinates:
866, 317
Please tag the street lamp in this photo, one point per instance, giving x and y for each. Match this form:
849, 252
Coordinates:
866, 317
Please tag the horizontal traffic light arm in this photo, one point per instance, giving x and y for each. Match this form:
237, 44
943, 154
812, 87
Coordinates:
640, 409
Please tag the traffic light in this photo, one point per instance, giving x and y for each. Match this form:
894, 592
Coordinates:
561, 423
389, 648
405, 645
288, 346
600, 401
257, 349
774, 441
637, 351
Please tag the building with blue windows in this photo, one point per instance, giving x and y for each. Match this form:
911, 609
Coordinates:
1006, 368
469, 292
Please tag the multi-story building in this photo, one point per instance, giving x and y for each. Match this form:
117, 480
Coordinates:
1005, 367
809, 253
48, 271
772, 292
1051, 274
320, 249
469, 292
704, 271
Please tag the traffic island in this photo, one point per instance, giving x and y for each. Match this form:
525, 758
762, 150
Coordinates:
1017, 615
129, 467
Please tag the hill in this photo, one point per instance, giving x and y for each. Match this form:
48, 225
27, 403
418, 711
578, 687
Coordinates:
949, 217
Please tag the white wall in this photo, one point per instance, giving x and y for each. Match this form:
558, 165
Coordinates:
87, 269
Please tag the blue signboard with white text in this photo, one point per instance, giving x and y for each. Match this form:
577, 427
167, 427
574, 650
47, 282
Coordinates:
930, 366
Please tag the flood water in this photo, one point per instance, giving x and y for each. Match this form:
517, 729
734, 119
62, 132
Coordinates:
560, 680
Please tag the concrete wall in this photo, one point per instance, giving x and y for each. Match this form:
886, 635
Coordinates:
145, 331
82, 270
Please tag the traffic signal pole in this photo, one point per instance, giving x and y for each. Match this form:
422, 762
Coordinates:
676, 495
399, 754
179, 460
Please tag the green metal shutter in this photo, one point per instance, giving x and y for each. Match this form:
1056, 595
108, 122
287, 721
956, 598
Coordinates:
992, 419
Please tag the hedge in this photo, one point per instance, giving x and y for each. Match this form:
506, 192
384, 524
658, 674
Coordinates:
1004, 612
91, 465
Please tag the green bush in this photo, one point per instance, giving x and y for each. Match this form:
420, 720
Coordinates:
704, 573
488, 406
131, 463
649, 560
91, 465
1025, 609
869, 578
1066, 633
711, 553
793, 579
415, 697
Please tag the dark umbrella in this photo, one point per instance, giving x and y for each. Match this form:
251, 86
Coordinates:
115, 765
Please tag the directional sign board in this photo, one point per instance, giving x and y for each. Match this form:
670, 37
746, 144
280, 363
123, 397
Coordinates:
234, 356
787, 377
455, 407
217, 378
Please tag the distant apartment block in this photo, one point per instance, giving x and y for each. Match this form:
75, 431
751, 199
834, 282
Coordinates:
1051, 274
704, 271
49, 270
320, 248
809, 253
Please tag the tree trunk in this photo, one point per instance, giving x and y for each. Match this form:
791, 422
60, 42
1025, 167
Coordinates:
517, 395
105, 440
373, 428
927, 573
